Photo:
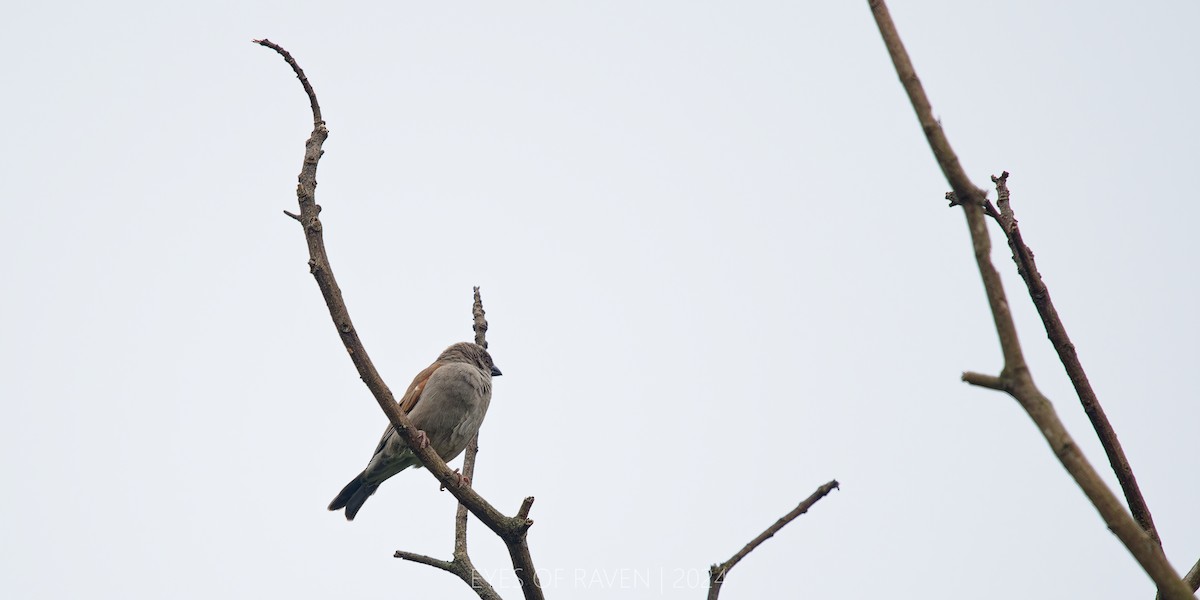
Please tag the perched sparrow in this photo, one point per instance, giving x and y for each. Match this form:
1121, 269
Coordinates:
446, 402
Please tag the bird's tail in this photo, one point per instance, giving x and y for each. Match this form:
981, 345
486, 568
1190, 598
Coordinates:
353, 496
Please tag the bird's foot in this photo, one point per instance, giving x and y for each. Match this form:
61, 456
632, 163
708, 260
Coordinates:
422, 439
462, 480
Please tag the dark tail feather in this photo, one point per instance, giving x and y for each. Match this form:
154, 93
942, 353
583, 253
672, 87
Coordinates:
353, 496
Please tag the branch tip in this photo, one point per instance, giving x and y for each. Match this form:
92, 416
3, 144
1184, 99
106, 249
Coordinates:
718, 572
1039, 293
523, 512
479, 318
425, 560
988, 381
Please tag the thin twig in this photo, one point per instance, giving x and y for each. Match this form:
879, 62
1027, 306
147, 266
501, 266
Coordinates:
468, 470
465, 572
717, 573
480, 326
461, 564
460, 514
479, 319
308, 89
1057, 332
1015, 374
982, 380
511, 530
444, 565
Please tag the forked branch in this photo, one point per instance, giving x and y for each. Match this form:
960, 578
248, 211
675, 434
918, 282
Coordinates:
460, 564
1057, 332
511, 530
1014, 378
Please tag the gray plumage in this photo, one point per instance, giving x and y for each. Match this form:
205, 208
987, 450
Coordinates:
448, 401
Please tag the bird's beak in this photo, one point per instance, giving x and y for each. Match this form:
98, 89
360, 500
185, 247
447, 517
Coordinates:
496, 372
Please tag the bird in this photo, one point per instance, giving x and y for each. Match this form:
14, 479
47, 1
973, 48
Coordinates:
446, 402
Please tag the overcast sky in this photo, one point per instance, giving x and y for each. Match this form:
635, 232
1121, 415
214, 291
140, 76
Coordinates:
714, 254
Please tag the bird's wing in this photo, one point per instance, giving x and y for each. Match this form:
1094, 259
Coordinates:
413, 394
409, 401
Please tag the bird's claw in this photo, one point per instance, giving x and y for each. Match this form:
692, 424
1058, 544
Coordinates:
462, 480
422, 439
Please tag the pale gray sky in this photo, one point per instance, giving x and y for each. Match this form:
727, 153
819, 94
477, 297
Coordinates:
715, 258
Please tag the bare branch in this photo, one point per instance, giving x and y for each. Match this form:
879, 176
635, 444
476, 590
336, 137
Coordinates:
444, 565
518, 553
465, 572
1057, 332
1193, 577
981, 380
479, 320
523, 512
460, 514
468, 470
511, 530
308, 89
461, 564
461, 556
717, 573
1015, 375
965, 191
